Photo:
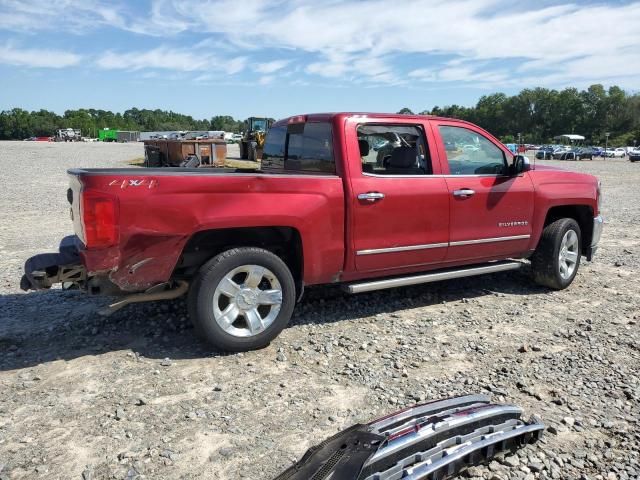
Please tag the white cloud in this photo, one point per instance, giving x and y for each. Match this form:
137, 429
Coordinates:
38, 58
75, 16
266, 80
349, 37
489, 42
271, 67
235, 65
168, 58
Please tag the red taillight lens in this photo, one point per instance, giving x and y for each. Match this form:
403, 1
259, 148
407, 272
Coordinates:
99, 219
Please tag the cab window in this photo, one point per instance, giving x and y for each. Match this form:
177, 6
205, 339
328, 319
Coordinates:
302, 147
470, 153
393, 150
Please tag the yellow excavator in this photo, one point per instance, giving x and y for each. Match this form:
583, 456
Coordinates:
252, 141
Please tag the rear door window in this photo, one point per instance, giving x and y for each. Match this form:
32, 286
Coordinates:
303, 147
393, 150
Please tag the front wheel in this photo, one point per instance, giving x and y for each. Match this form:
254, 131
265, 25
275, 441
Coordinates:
242, 299
556, 259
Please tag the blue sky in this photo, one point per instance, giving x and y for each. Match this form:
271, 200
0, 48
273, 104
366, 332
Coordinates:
279, 58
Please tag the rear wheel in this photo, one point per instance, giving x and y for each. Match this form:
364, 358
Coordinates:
242, 299
557, 258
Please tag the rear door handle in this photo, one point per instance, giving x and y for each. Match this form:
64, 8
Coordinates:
464, 192
371, 196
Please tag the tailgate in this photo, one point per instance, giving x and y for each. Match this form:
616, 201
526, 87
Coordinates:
74, 198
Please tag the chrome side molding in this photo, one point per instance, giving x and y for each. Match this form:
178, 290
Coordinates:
406, 248
426, 246
436, 276
488, 240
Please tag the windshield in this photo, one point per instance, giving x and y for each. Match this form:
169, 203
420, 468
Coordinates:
259, 124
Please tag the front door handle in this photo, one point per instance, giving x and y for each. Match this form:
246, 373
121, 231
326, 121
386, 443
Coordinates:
464, 193
371, 196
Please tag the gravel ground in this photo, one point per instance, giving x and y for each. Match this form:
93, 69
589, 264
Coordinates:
136, 396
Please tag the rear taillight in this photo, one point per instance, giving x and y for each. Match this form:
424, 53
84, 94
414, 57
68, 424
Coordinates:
99, 219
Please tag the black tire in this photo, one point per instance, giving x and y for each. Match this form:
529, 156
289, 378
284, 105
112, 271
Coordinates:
545, 262
251, 156
202, 290
243, 150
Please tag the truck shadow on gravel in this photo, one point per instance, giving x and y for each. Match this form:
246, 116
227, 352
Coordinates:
45, 326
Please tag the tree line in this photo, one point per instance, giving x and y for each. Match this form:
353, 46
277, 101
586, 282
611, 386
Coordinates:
18, 124
539, 114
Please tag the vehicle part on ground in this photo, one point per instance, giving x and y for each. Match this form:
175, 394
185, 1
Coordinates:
46, 269
557, 257
158, 292
436, 276
242, 299
430, 441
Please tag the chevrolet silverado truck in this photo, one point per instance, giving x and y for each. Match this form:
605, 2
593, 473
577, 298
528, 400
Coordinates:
367, 201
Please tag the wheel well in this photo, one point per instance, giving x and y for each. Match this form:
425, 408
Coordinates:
582, 214
285, 242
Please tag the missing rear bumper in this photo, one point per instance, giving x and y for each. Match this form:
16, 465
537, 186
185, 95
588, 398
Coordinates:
46, 269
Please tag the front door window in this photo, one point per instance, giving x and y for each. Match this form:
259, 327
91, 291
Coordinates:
470, 153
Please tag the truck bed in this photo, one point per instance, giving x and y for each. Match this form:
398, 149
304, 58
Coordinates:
160, 209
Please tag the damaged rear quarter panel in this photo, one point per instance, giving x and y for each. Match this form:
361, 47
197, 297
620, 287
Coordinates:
158, 215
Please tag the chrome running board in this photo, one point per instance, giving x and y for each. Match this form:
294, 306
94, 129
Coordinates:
501, 266
426, 442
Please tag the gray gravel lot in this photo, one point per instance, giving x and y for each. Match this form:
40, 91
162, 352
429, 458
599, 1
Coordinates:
136, 396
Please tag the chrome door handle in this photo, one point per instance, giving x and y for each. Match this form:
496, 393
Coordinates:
465, 192
371, 196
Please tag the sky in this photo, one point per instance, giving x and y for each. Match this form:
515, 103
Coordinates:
278, 58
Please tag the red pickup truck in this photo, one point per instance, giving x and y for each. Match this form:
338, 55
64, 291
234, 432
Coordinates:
368, 201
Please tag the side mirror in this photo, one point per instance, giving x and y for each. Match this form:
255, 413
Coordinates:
520, 164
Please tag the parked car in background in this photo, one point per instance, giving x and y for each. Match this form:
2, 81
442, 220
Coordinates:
584, 153
597, 151
616, 152
544, 153
575, 154
634, 155
561, 152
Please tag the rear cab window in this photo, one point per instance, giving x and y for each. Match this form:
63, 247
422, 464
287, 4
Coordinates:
300, 147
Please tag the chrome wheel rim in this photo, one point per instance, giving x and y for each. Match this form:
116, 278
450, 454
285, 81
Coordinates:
569, 253
247, 300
